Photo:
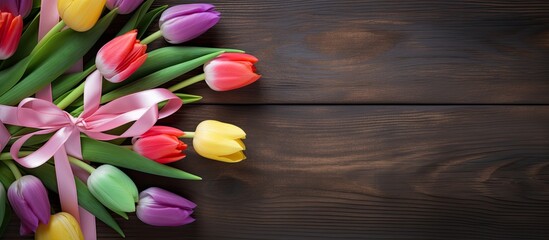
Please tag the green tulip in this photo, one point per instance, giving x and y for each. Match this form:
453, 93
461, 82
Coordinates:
113, 188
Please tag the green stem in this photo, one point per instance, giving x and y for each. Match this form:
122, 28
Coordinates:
58, 27
188, 82
188, 135
152, 37
7, 156
14, 169
75, 94
81, 164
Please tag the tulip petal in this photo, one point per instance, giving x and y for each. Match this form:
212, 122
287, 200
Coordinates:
194, 26
157, 146
113, 188
238, 57
170, 217
163, 130
124, 6
11, 29
186, 9
221, 128
212, 143
37, 194
229, 75
114, 52
80, 16
231, 158
167, 198
159, 207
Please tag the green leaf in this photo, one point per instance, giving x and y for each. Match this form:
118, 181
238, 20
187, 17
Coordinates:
6, 177
187, 98
28, 40
54, 58
158, 78
11, 76
46, 173
148, 19
5, 219
136, 18
162, 58
67, 82
107, 153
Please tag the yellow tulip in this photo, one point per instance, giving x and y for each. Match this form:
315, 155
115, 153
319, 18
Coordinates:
80, 15
219, 141
61, 226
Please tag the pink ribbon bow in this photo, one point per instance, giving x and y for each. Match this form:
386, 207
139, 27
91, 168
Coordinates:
140, 108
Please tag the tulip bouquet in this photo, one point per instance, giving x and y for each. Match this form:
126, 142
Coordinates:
69, 123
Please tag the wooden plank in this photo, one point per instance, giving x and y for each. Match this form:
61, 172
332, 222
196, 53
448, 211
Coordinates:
371, 51
366, 172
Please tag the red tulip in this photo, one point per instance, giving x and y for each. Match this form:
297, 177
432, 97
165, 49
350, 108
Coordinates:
121, 57
161, 144
11, 28
231, 71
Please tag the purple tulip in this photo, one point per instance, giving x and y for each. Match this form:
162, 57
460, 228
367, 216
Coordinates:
16, 7
159, 207
29, 200
124, 6
184, 22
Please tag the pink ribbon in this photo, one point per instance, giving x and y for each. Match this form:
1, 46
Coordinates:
140, 108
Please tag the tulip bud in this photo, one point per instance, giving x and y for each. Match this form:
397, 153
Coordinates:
184, 22
159, 207
219, 141
61, 226
80, 15
16, 7
161, 144
113, 188
230, 71
121, 57
11, 28
124, 6
29, 200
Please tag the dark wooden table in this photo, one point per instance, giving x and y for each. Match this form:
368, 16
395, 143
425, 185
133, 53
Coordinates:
374, 120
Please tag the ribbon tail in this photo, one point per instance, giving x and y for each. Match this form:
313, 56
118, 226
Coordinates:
66, 184
4, 136
48, 19
87, 223
87, 220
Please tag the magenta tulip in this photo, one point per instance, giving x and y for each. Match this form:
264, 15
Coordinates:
16, 7
231, 71
121, 57
159, 207
11, 28
124, 6
29, 199
161, 144
184, 22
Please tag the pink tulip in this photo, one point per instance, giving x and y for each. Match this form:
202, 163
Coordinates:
11, 28
121, 57
231, 71
161, 144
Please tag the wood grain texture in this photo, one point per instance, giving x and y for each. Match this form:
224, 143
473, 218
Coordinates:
323, 51
366, 172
